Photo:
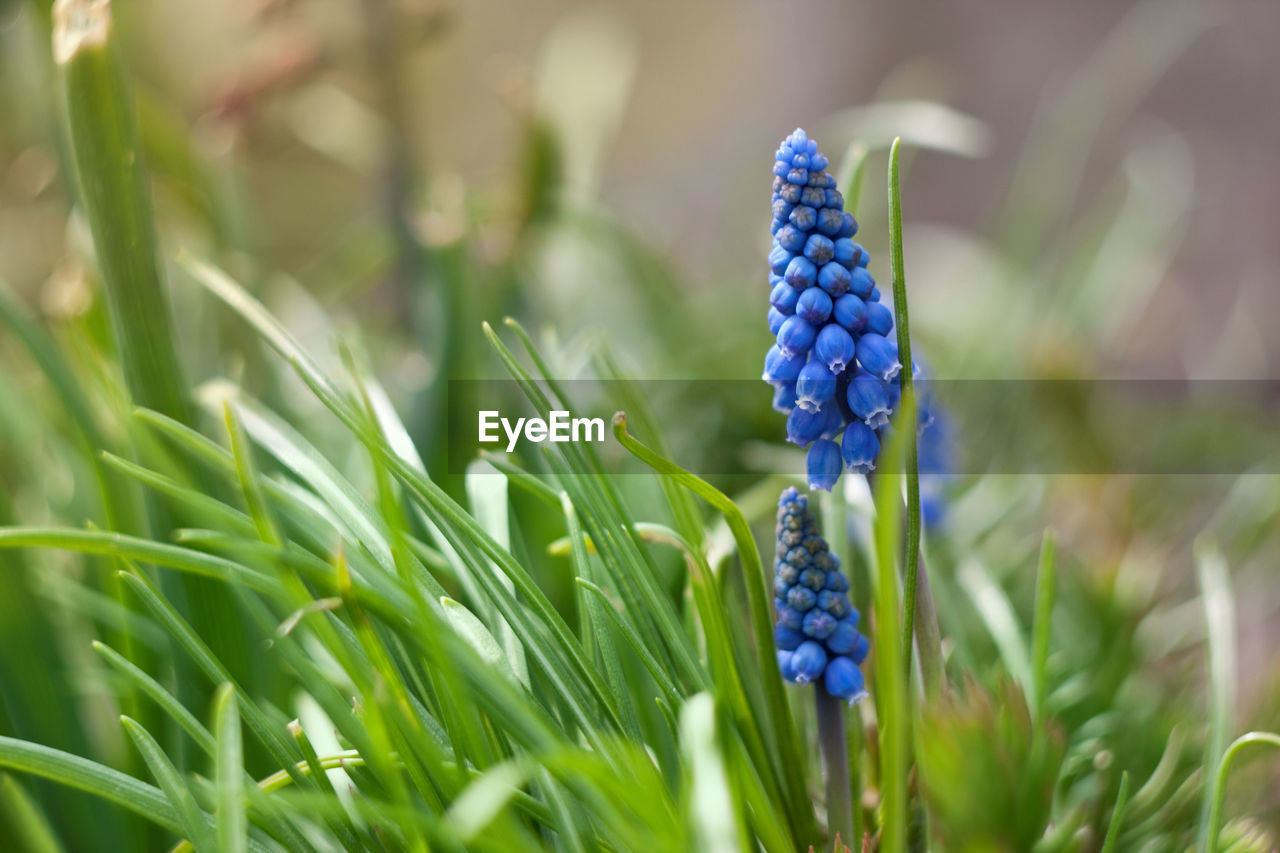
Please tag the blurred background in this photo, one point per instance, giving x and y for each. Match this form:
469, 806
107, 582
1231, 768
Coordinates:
1090, 191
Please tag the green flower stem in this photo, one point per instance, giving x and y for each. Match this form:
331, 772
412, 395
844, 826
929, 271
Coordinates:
113, 193
930, 646
835, 764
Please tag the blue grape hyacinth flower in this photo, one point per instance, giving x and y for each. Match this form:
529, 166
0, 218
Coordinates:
835, 355
817, 627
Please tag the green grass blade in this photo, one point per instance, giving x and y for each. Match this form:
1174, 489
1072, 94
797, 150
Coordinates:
233, 824
148, 686
195, 824
1117, 815
113, 192
27, 826
1046, 582
893, 707
1220, 624
593, 610
997, 614
82, 774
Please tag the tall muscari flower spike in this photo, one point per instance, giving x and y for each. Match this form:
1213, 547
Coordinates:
834, 362
817, 628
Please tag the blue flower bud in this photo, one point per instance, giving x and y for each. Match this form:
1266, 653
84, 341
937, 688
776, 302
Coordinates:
784, 398
825, 562
834, 347
874, 295
790, 193
803, 217
815, 385
850, 311
819, 161
784, 297
861, 283
823, 464
804, 427
789, 237
843, 680
876, 353
846, 252
800, 160
779, 257
818, 624
829, 220
798, 176
786, 665
859, 447
780, 368
796, 337
781, 167
801, 599
834, 279
848, 225
814, 305
812, 197
835, 603
800, 272
818, 249
860, 648
808, 660
791, 618
868, 398
813, 578
834, 422
781, 208
780, 587
789, 574
785, 638
837, 582
879, 318
842, 640
776, 319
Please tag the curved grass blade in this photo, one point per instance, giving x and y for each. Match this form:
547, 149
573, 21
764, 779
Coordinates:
195, 824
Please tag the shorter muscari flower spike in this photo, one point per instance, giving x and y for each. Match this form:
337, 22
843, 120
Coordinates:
817, 627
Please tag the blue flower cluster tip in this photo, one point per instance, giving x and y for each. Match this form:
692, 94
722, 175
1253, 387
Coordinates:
817, 628
834, 362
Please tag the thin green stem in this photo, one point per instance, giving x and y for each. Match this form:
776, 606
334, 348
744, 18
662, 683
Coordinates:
1220, 781
907, 421
835, 765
